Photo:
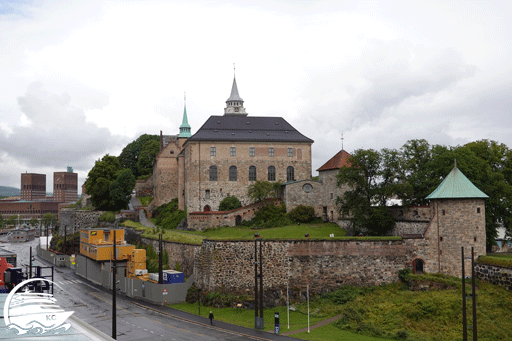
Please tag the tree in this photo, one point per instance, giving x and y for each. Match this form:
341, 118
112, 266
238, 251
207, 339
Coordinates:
99, 180
11, 220
129, 156
261, 190
121, 188
372, 185
1, 221
49, 219
147, 157
34, 222
229, 203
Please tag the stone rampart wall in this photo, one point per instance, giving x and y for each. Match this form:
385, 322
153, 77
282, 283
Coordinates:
493, 274
74, 220
324, 264
179, 253
203, 220
409, 227
144, 188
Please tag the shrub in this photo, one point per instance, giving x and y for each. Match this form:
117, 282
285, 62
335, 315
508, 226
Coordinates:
168, 216
404, 275
229, 203
269, 216
107, 216
302, 214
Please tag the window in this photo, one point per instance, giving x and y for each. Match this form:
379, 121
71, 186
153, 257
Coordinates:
290, 174
232, 173
290, 152
332, 195
252, 173
478, 210
232, 151
213, 152
271, 151
271, 173
207, 194
213, 173
251, 151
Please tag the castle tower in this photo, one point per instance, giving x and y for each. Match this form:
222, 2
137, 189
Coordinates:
458, 221
235, 103
185, 127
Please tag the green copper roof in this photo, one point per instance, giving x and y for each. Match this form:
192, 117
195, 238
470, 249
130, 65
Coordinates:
184, 127
456, 185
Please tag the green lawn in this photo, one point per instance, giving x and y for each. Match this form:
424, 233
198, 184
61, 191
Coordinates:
387, 312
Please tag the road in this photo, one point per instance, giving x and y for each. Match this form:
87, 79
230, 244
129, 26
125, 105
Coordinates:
93, 305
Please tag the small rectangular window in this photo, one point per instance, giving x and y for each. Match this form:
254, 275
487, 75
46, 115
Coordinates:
213, 151
271, 151
474, 238
232, 151
290, 152
478, 210
251, 151
207, 194
332, 195
440, 239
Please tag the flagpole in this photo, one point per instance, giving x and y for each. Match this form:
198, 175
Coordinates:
308, 307
288, 305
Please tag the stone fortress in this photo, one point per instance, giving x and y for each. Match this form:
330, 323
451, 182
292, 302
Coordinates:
230, 152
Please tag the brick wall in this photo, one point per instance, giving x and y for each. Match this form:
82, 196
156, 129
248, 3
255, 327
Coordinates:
144, 188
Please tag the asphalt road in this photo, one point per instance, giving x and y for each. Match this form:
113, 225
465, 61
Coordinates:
135, 321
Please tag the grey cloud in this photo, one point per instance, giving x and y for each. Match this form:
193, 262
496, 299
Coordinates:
58, 134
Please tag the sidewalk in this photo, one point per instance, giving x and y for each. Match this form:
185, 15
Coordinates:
319, 324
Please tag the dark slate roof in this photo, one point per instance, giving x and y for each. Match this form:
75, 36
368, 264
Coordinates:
248, 128
456, 185
336, 162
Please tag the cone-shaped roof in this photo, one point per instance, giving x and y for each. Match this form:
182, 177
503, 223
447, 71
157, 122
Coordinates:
185, 127
456, 185
336, 162
234, 93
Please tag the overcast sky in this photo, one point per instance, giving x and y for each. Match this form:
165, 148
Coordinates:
79, 79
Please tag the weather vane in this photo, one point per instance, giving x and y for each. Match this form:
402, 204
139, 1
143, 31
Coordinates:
342, 141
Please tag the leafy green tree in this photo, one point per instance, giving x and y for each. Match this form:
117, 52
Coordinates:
147, 157
261, 190
372, 185
121, 188
34, 222
302, 214
99, 180
1, 221
11, 220
49, 219
129, 156
229, 203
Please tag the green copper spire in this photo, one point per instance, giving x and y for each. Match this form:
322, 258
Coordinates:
456, 185
184, 127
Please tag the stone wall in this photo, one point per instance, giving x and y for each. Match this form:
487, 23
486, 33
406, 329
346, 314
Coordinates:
203, 220
144, 188
183, 254
74, 220
326, 264
493, 274
413, 227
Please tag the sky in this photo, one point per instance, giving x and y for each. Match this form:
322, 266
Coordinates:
80, 79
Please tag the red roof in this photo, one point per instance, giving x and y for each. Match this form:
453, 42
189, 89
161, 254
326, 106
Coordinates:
336, 162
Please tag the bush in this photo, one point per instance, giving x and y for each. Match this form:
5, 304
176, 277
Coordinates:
229, 203
302, 214
168, 216
269, 216
404, 275
107, 216
345, 294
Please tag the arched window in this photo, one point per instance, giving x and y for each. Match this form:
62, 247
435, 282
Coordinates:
232, 173
290, 174
252, 173
271, 173
213, 173
207, 208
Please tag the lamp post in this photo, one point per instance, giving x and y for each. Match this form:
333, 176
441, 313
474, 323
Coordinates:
114, 270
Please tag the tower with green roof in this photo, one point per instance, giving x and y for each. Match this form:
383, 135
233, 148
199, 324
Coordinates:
458, 220
185, 127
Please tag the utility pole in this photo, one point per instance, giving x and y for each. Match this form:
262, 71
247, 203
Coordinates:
258, 320
30, 265
473, 293
261, 283
64, 244
464, 318
256, 324
160, 265
114, 270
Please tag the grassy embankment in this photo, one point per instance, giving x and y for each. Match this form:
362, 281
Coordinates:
388, 312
